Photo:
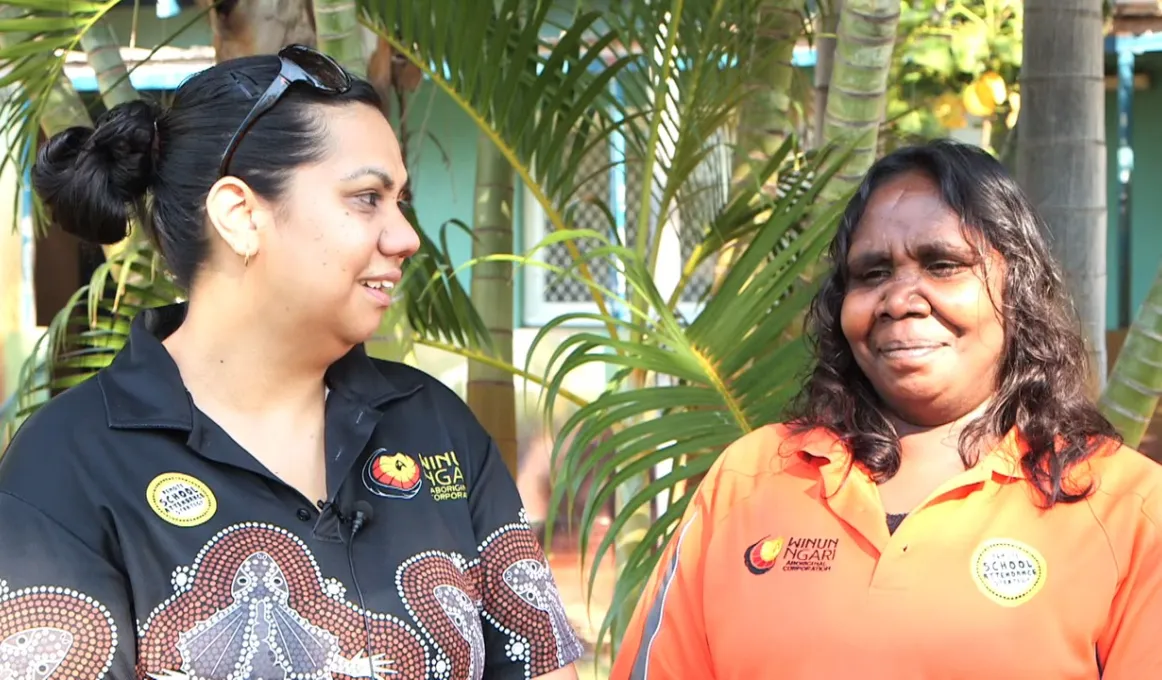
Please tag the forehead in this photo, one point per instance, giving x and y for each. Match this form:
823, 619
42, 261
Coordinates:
359, 136
907, 210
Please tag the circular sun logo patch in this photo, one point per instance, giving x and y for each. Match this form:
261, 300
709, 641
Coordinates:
181, 499
1008, 571
761, 557
396, 475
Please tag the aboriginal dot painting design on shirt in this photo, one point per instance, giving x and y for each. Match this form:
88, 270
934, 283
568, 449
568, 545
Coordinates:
54, 632
441, 594
526, 606
255, 605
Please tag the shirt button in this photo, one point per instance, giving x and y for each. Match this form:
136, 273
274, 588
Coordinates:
304, 514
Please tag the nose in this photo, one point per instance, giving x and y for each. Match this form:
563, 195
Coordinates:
399, 238
903, 298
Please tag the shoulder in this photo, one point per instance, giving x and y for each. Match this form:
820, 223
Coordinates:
438, 403
766, 457
55, 463
1127, 489
412, 380
49, 443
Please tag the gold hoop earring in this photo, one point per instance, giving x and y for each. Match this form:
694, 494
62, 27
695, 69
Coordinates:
246, 260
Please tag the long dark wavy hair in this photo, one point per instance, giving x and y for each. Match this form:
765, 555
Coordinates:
1044, 367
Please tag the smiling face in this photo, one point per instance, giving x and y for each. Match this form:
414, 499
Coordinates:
339, 239
917, 312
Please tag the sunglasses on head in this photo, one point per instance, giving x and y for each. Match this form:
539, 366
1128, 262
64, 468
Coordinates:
300, 64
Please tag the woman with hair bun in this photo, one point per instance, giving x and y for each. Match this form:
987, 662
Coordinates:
943, 501
244, 493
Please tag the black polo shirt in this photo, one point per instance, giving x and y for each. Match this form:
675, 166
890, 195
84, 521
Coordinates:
138, 540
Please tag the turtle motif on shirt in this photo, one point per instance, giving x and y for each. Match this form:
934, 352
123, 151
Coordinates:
254, 605
33, 654
52, 632
261, 637
532, 581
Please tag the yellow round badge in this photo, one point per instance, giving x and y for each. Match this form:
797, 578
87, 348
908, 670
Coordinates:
1008, 571
181, 499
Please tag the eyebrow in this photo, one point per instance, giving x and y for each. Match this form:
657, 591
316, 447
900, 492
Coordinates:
926, 251
378, 173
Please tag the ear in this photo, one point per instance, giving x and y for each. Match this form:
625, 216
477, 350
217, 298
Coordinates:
236, 213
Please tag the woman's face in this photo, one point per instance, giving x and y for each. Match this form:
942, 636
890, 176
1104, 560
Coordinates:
917, 312
339, 239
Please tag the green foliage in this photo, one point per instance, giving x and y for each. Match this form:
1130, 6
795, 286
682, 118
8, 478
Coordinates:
945, 46
667, 78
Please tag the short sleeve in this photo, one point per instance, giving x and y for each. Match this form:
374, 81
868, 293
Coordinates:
64, 608
526, 630
1129, 646
666, 636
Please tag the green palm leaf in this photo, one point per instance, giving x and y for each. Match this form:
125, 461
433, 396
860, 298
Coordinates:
729, 371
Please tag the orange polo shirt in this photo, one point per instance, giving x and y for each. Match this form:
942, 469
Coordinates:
783, 567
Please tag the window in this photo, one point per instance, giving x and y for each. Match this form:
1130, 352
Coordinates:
549, 294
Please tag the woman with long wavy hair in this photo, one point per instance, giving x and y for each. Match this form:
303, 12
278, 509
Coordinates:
944, 501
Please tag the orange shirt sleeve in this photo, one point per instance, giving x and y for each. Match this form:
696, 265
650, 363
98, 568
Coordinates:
1129, 645
666, 636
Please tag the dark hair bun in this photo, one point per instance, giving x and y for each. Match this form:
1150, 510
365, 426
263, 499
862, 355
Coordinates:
89, 178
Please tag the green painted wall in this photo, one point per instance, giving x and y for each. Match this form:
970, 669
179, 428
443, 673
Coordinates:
442, 156
1146, 200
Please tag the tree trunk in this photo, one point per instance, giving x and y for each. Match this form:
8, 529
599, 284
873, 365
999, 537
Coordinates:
339, 34
1061, 152
764, 117
491, 393
764, 121
1131, 396
259, 26
104, 55
827, 25
858, 89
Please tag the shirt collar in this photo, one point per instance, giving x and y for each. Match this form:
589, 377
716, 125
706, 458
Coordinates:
832, 457
143, 388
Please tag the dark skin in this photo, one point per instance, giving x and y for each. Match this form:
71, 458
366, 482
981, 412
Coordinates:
923, 327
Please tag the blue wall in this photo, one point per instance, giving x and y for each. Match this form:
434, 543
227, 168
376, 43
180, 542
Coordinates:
1146, 201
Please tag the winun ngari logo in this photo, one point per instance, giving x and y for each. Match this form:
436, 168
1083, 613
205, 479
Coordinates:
394, 475
795, 554
444, 475
399, 475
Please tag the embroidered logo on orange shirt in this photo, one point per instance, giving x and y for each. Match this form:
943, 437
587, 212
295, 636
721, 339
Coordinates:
795, 553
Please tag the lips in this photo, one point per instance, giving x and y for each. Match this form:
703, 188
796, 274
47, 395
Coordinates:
908, 345
908, 352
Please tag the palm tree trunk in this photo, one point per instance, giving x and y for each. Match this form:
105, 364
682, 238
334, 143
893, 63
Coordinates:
827, 25
1131, 396
104, 54
491, 394
764, 117
764, 121
259, 26
1061, 153
858, 91
339, 34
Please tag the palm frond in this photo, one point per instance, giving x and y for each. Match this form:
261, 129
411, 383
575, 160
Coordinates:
731, 370
539, 101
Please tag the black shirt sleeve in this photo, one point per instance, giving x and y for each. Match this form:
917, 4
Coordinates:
526, 631
64, 608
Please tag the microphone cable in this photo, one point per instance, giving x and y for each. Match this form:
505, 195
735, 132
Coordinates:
362, 515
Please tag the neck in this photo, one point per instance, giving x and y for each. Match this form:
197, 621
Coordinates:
227, 357
918, 440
